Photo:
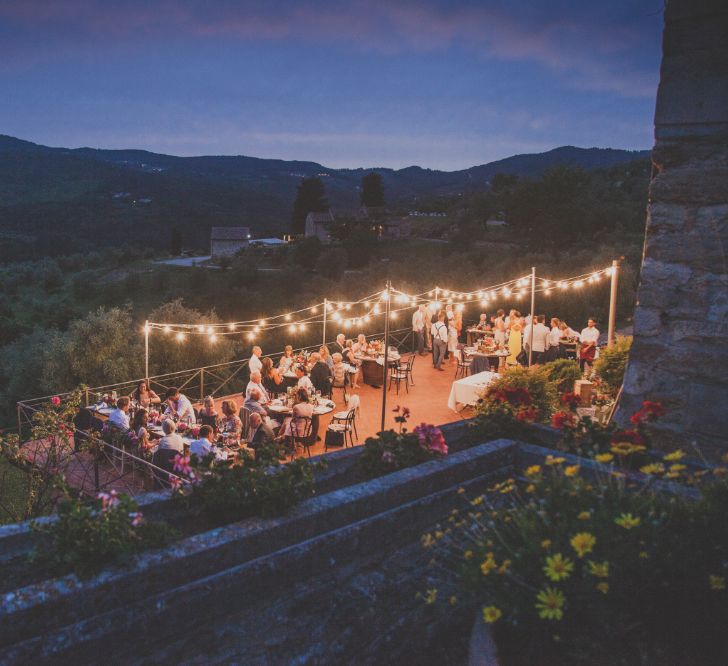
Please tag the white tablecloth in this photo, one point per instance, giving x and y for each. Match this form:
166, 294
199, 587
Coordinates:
467, 391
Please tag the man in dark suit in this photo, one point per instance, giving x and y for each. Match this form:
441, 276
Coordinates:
260, 432
320, 374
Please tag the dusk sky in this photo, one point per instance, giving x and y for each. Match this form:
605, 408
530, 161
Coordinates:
353, 83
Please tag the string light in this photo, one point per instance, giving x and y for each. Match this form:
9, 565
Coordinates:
180, 336
167, 328
213, 338
231, 327
201, 328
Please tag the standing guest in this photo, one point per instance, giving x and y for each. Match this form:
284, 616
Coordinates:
252, 403
439, 334
144, 396
260, 433
179, 406
541, 335
589, 349
230, 425
452, 341
430, 319
554, 351
510, 319
361, 346
139, 428
338, 372
270, 377
514, 338
483, 324
202, 446
255, 364
320, 374
256, 383
120, 416
303, 380
458, 321
208, 414
325, 356
171, 440
418, 330
349, 358
287, 360
340, 342
500, 328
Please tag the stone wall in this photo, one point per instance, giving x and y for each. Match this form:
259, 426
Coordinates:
680, 352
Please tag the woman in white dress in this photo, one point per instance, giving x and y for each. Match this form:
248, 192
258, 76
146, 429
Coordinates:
452, 341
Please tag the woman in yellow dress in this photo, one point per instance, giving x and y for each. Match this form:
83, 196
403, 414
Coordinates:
514, 338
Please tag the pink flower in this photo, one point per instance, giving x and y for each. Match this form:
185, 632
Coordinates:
182, 464
195, 431
55, 401
181, 426
431, 438
108, 500
175, 482
136, 518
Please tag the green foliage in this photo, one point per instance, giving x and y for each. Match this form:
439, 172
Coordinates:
573, 569
562, 372
233, 490
332, 263
87, 537
372, 190
611, 364
307, 252
310, 198
360, 245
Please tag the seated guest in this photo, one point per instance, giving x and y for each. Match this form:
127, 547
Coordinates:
144, 396
254, 363
303, 380
271, 378
178, 405
139, 428
361, 346
325, 356
208, 414
320, 374
256, 383
260, 432
287, 360
339, 344
171, 440
230, 425
120, 416
202, 446
339, 375
252, 403
302, 409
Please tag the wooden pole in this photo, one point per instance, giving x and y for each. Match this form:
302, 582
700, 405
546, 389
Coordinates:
326, 307
533, 314
613, 304
386, 355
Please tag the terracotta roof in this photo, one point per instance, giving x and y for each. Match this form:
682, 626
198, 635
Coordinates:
230, 233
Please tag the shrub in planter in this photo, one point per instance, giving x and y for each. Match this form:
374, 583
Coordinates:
562, 372
575, 570
392, 450
226, 491
87, 537
611, 363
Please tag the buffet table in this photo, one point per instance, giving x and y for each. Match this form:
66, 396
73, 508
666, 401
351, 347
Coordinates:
468, 390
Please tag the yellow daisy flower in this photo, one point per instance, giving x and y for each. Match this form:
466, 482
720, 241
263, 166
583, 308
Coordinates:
488, 564
584, 515
530, 488
604, 457
571, 470
430, 596
550, 604
550, 460
427, 540
628, 521
583, 543
468, 554
533, 470
674, 456
558, 567
546, 544
603, 587
677, 467
717, 582
599, 569
653, 468
491, 614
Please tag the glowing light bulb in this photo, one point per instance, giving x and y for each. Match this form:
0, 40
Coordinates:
376, 310
578, 284
213, 338
460, 307
484, 303
314, 310
301, 327
167, 328
392, 315
348, 306
292, 328
596, 277
546, 284
201, 328
367, 318
347, 323
336, 316
288, 317
180, 336
506, 291
261, 323
255, 330
446, 293
547, 292
251, 336
562, 285
366, 304
231, 327
209, 330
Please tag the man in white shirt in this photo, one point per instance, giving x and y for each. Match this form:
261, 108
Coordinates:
303, 379
179, 405
340, 343
541, 335
554, 339
255, 383
202, 446
171, 439
439, 341
589, 345
254, 363
418, 329
120, 416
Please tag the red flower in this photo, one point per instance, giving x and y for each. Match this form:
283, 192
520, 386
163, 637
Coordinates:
562, 420
571, 399
518, 396
431, 438
650, 411
55, 401
627, 436
529, 414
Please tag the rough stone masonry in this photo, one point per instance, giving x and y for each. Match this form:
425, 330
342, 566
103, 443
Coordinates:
680, 351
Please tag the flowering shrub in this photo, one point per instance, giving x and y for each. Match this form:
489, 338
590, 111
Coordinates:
87, 537
234, 489
574, 570
393, 450
562, 372
611, 364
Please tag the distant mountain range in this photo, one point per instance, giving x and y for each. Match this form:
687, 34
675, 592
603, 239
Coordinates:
58, 199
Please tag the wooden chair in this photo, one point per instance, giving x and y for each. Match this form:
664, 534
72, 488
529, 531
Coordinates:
402, 371
463, 366
301, 433
344, 426
353, 406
